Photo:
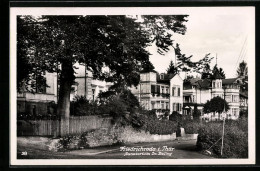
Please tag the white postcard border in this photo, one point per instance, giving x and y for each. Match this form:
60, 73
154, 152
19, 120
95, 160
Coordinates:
14, 11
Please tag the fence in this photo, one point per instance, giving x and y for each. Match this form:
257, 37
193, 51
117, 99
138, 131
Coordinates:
77, 125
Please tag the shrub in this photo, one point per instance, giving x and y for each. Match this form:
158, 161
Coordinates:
70, 142
176, 117
243, 113
191, 126
196, 113
155, 126
235, 138
80, 106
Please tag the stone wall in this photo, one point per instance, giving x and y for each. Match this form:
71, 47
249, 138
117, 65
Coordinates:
129, 135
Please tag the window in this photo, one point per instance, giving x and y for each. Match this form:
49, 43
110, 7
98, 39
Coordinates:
178, 107
167, 105
214, 84
176, 91
153, 105
158, 105
173, 91
167, 91
158, 89
174, 107
93, 94
161, 76
153, 88
40, 84
162, 89
162, 105
235, 111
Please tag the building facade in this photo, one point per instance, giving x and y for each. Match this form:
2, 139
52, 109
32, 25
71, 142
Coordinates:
86, 86
161, 93
41, 101
43, 98
198, 91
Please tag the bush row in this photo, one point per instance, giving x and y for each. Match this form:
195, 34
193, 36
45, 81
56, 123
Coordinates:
150, 123
235, 138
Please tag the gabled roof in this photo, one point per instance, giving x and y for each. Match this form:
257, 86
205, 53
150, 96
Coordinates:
166, 77
144, 71
204, 84
194, 81
218, 76
229, 81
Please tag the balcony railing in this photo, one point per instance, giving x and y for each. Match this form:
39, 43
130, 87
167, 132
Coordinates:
161, 110
165, 95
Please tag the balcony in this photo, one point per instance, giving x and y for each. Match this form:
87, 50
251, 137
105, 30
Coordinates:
157, 110
37, 96
163, 95
231, 90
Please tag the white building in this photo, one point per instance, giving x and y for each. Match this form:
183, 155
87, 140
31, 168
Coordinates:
198, 91
162, 93
41, 101
85, 85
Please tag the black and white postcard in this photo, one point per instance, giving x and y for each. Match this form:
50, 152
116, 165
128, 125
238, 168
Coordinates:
132, 85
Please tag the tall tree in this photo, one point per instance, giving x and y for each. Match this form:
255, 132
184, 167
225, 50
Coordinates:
185, 63
211, 74
219, 71
206, 73
242, 72
115, 42
172, 69
242, 69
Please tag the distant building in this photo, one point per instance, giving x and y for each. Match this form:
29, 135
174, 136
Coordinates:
86, 86
162, 93
198, 91
42, 99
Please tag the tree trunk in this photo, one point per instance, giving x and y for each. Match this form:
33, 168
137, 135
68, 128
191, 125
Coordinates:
63, 110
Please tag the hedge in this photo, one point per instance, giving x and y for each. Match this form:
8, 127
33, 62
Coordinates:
235, 138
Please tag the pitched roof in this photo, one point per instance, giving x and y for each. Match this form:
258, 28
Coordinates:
205, 83
229, 81
200, 83
217, 75
166, 77
144, 71
194, 81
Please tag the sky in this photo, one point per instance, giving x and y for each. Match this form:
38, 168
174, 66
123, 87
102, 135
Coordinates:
227, 33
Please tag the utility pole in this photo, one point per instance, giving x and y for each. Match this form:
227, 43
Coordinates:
223, 131
85, 85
